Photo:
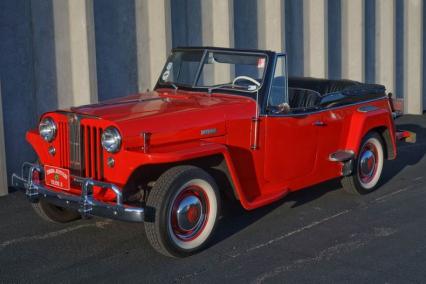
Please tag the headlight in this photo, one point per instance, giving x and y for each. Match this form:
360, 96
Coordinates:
47, 129
111, 139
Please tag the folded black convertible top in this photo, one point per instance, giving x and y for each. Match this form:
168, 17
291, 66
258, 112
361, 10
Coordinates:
327, 86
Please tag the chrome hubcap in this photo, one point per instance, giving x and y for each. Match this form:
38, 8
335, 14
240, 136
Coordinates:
367, 163
189, 213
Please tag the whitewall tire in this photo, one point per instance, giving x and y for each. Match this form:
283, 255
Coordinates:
186, 205
368, 166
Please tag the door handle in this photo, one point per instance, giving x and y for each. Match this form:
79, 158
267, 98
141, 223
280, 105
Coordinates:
319, 123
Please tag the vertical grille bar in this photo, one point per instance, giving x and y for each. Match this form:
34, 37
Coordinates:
85, 150
61, 143
75, 145
62, 131
93, 152
66, 146
100, 158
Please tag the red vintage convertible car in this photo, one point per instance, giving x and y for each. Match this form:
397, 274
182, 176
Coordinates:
219, 122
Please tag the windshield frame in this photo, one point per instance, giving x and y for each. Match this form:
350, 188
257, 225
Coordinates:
193, 86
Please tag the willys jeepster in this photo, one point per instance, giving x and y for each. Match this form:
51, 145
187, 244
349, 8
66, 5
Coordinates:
219, 122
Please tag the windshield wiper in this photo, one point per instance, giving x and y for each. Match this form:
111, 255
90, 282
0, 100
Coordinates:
209, 90
170, 84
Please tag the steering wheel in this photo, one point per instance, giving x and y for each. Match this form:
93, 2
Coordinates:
247, 78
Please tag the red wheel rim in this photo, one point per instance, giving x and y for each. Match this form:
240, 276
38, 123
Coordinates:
368, 161
190, 212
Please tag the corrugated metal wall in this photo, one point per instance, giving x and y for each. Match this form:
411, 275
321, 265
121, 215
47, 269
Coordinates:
38, 39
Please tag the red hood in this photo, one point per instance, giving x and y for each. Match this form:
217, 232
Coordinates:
170, 115
158, 104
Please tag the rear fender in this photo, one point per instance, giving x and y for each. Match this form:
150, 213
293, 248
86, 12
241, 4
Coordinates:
379, 120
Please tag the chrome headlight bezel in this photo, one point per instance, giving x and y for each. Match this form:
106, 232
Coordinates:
111, 139
47, 129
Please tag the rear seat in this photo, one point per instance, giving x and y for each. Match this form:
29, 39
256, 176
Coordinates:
322, 86
306, 92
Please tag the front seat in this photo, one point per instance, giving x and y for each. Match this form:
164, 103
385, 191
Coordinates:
303, 98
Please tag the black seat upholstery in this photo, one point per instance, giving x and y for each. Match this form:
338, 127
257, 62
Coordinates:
298, 97
322, 86
303, 98
306, 93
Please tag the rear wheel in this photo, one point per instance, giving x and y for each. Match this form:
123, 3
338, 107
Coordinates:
53, 213
368, 166
186, 203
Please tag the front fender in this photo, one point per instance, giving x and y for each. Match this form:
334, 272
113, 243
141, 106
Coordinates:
132, 160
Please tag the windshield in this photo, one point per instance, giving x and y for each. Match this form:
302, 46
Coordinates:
214, 69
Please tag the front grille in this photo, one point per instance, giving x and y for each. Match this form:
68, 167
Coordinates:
92, 149
81, 148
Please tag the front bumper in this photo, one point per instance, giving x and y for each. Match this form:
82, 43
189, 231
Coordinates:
85, 204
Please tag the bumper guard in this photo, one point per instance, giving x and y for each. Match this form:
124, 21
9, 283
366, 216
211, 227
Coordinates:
85, 204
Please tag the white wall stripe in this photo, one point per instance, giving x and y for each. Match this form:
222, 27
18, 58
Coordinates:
413, 56
75, 52
270, 25
353, 39
385, 44
315, 38
153, 35
218, 30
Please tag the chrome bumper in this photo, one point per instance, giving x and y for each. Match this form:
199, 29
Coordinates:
85, 204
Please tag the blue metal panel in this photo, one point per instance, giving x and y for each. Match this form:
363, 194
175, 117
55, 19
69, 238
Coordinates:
245, 23
399, 46
17, 80
370, 40
294, 36
186, 23
334, 25
116, 51
45, 86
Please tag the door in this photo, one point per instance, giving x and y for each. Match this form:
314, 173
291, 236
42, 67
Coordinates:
291, 145
291, 131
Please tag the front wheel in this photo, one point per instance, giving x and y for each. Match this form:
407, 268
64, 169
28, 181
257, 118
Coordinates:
53, 213
368, 166
186, 203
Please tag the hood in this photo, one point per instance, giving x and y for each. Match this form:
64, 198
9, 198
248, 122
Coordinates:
170, 115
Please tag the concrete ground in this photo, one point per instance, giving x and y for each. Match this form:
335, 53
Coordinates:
320, 234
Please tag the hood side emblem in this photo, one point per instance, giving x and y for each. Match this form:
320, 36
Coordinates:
208, 131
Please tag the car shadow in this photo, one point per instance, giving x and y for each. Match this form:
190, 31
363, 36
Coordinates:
408, 154
235, 218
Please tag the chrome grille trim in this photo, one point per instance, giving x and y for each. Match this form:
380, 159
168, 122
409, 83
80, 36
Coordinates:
85, 150
76, 157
